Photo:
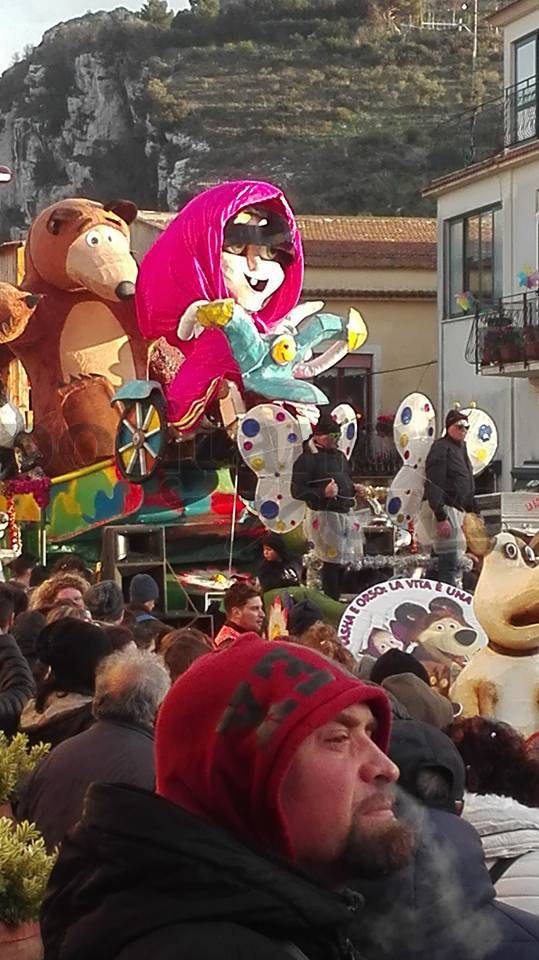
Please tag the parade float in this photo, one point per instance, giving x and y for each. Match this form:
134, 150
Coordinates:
137, 400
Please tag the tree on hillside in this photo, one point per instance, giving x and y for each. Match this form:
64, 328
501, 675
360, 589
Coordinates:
157, 13
205, 8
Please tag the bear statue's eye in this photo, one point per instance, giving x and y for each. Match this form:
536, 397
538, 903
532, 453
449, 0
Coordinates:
529, 556
93, 238
510, 551
439, 627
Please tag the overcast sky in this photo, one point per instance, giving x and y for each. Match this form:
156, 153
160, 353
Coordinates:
25, 21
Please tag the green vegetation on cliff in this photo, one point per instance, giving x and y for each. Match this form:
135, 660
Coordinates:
340, 101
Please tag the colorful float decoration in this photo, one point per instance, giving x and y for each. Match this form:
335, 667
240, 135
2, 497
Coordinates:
270, 439
414, 433
219, 290
502, 680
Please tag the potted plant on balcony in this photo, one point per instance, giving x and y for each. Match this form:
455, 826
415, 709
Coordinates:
511, 347
16, 762
530, 336
491, 345
25, 867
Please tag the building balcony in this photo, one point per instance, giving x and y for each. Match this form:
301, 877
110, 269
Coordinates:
504, 339
491, 128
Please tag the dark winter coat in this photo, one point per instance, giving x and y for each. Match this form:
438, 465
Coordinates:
64, 715
139, 877
311, 474
450, 481
16, 684
275, 574
442, 906
53, 794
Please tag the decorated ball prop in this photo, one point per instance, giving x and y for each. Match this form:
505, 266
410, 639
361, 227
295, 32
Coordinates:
414, 428
481, 439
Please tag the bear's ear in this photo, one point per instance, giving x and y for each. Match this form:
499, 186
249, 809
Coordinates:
410, 615
478, 541
125, 209
61, 215
446, 607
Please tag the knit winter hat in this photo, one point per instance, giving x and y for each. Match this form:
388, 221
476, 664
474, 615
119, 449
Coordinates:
105, 601
143, 588
302, 616
325, 424
455, 416
230, 726
73, 649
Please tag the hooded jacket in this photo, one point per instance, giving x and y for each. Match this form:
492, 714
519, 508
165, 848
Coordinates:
139, 877
206, 869
509, 833
184, 266
442, 906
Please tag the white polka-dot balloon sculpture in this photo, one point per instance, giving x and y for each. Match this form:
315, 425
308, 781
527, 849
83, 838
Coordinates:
414, 431
481, 439
270, 439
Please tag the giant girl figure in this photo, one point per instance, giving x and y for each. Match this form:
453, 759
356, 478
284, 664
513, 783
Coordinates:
237, 240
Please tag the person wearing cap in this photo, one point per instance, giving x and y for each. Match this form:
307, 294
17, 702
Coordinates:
278, 568
71, 649
273, 788
105, 602
449, 491
140, 617
322, 477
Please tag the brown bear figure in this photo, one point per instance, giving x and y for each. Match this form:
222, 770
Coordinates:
438, 636
83, 335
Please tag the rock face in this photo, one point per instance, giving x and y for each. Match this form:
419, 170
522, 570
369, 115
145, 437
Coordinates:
111, 105
89, 135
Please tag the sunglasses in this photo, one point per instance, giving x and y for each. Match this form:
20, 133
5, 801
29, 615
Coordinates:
462, 426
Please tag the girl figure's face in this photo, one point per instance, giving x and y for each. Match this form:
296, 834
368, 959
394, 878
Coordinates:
252, 271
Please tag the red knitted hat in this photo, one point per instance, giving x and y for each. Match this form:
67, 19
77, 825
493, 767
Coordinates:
229, 728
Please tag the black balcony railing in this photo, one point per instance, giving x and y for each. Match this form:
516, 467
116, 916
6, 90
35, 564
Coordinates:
488, 129
506, 333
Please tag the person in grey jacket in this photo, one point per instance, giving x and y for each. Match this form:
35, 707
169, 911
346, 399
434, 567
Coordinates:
16, 681
129, 688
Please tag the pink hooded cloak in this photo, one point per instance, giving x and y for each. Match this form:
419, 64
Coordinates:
184, 265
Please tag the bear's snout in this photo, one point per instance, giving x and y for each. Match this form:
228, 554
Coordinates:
465, 637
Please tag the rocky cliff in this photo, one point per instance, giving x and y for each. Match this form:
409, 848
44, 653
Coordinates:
346, 116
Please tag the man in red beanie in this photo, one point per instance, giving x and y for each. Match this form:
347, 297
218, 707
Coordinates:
273, 788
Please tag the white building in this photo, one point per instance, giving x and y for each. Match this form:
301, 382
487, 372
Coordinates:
488, 229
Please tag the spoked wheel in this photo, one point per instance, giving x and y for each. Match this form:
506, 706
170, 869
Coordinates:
141, 438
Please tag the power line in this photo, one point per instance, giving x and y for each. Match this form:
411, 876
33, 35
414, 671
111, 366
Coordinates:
413, 366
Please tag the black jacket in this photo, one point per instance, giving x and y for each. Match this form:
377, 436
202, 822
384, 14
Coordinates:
16, 684
53, 794
141, 878
442, 906
310, 477
279, 573
450, 481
